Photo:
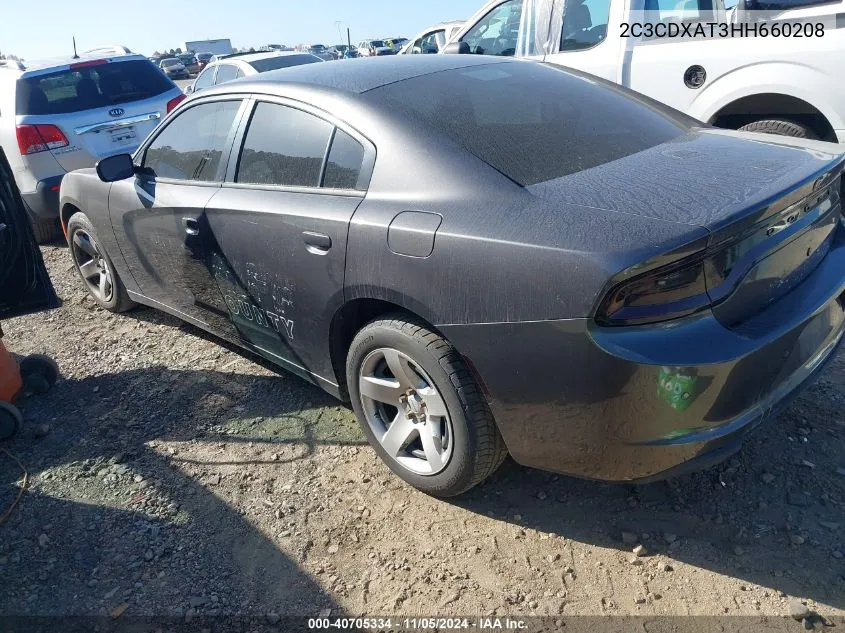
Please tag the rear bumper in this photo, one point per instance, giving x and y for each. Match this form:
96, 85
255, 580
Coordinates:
649, 402
43, 203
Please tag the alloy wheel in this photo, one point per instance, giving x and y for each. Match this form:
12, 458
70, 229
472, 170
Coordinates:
405, 411
92, 266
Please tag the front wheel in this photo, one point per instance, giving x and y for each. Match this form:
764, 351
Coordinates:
420, 407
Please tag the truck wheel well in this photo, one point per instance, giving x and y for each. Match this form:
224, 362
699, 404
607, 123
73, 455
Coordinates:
348, 321
773, 106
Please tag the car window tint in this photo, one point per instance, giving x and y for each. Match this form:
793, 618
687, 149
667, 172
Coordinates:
283, 146
584, 24
344, 164
98, 86
226, 72
205, 79
497, 32
283, 61
534, 122
192, 145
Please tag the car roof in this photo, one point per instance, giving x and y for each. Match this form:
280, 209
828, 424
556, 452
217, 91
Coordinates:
251, 57
360, 75
40, 66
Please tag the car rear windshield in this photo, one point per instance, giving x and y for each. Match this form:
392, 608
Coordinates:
90, 87
534, 122
282, 61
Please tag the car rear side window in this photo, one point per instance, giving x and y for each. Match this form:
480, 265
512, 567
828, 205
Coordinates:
97, 86
283, 146
193, 144
534, 122
343, 166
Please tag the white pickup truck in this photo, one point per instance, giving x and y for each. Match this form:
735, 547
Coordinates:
768, 82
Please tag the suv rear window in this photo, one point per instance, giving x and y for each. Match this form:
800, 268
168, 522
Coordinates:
282, 61
535, 122
90, 87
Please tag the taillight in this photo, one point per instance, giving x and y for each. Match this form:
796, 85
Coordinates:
39, 138
175, 101
666, 293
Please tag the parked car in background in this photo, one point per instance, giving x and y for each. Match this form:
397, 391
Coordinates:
396, 43
246, 65
203, 59
373, 48
337, 51
321, 51
432, 40
58, 115
174, 68
156, 61
695, 275
190, 62
777, 85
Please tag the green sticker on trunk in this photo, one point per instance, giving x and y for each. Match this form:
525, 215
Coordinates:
676, 388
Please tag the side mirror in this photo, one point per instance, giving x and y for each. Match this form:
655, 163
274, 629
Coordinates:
456, 48
114, 168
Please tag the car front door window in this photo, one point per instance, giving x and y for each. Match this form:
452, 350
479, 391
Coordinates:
584, 24
192, 146
497, 33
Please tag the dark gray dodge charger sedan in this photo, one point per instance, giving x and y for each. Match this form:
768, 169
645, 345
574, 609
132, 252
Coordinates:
484, 256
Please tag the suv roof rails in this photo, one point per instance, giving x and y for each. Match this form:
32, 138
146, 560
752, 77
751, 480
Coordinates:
12, 63
115, 50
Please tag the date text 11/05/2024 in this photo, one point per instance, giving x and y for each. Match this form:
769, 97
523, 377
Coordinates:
419, 624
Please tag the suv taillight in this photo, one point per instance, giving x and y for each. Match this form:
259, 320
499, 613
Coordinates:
171, 105
39, 138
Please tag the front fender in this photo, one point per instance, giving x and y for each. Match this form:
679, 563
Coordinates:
791, 79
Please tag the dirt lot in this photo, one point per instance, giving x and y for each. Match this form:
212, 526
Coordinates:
172, 476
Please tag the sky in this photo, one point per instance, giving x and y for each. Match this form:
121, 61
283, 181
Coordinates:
151, 25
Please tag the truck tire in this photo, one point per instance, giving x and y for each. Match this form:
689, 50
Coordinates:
780, 127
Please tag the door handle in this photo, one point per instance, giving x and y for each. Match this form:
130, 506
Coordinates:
318, 243
192, 227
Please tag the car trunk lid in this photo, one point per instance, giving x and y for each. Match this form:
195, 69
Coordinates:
771, 205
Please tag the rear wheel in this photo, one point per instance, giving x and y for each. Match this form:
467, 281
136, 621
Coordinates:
780, 127
95, 267
420, 407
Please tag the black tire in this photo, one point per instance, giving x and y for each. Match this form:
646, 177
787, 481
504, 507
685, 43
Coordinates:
478, 448
10, 421
39, 373
780, 127
118, 300
45, 230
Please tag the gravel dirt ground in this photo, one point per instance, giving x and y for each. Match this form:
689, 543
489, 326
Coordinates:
170, 475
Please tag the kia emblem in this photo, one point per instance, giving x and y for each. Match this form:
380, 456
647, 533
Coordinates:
115, 112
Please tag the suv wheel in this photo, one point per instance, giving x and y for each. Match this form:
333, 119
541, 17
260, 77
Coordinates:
45, 230
420, 407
